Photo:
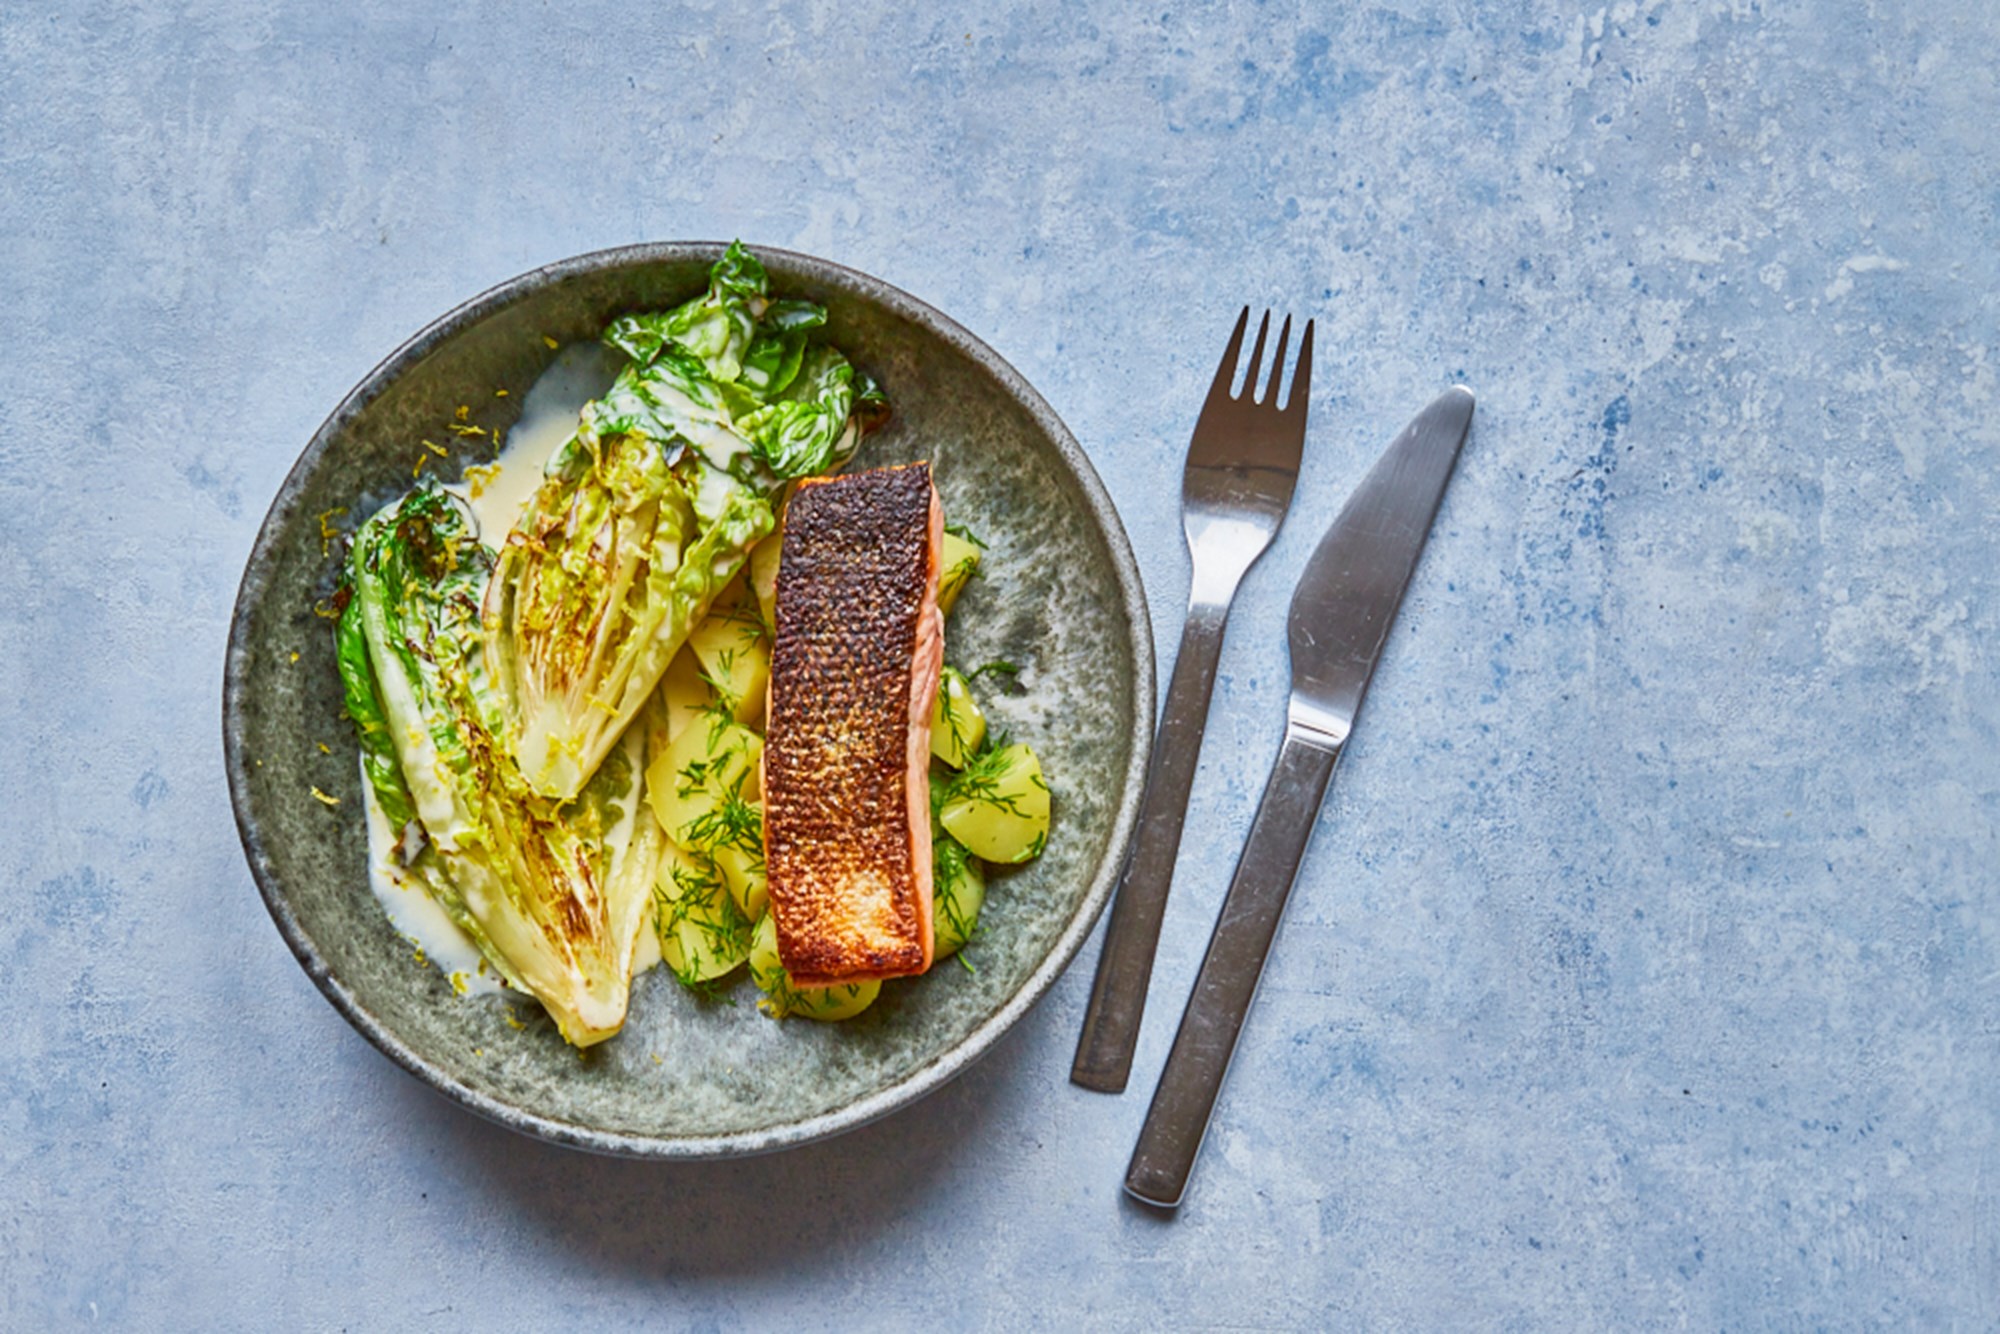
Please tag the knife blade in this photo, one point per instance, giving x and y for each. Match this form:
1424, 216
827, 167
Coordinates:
1341, 612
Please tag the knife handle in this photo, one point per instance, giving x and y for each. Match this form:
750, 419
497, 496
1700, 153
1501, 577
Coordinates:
1227, 983
1125, 966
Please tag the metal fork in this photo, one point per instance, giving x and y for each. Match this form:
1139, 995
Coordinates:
1241, 467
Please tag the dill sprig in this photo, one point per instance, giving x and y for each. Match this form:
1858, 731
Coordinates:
981, 778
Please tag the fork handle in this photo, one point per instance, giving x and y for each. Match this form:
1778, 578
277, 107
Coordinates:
1177, 1121
1125, 967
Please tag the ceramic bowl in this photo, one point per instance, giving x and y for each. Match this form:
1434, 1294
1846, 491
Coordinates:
693, 1077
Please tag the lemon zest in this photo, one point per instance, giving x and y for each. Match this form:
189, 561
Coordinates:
480, 476
327, 531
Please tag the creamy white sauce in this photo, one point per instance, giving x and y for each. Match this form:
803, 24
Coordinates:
416, 915
549, 411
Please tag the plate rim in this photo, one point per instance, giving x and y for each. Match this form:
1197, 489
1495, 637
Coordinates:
919, 1082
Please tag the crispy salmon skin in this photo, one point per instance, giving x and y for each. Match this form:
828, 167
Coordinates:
854, 672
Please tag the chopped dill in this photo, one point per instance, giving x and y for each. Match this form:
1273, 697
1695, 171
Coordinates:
699, 921
731, 822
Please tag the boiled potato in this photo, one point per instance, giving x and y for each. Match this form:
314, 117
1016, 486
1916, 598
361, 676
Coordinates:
687, 696
734, 653
957, 725
767, 970
763, 576
702, 932
740, 860
999, 807
960, 891
782, 998
708, 771
956, 562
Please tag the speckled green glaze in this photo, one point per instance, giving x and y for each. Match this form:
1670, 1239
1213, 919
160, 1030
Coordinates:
690, 1077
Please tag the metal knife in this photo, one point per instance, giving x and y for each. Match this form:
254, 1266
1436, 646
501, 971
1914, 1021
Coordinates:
1341, 613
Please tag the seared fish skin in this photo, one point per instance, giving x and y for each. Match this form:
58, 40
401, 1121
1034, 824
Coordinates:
854, 671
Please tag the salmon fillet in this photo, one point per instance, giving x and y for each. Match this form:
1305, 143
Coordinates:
854, 672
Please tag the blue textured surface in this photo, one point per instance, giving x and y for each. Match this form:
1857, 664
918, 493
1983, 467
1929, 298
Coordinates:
1643, 971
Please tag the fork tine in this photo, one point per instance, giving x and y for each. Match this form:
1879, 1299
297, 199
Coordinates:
1270, 398
1225, 371
1249, 393
1302, 378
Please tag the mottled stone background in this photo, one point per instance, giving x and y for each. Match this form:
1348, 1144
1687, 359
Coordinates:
1646, 968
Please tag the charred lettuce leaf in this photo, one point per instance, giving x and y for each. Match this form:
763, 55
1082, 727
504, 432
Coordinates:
653, 506
554, 896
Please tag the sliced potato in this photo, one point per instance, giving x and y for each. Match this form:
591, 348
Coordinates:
763, 577
703, 934
960, 891
957, 563
708, 770
782, 999
734, 653
687, 695
999, 807
957, 725
740, 859
767, 970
